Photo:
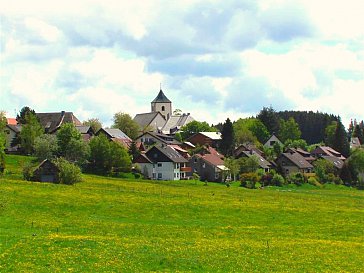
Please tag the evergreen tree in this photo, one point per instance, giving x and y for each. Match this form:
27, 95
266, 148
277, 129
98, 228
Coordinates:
133, 150
270, 119
21, 118
227, 143
340, 141
358, 132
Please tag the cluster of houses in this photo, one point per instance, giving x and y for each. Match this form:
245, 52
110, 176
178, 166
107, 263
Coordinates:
162, 157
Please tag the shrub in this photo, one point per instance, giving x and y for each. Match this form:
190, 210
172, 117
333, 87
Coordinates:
266, 179
313, 181
68, 173
248, 180
278, 180
28, 172
296, 178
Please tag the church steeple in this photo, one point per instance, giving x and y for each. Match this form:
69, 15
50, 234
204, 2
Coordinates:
162, 104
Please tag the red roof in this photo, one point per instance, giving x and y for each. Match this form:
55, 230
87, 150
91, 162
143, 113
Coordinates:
11, 121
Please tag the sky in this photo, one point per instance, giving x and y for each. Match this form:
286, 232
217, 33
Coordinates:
213, 59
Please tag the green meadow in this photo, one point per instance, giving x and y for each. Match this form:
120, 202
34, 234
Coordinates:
114, 225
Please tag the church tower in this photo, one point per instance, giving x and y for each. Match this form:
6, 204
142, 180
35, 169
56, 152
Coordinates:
163, 105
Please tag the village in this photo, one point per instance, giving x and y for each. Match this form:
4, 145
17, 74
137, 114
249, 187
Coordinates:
159, 152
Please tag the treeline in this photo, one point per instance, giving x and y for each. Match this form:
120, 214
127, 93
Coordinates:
312, 124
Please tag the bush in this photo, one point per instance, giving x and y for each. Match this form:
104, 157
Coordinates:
28, 172
68, 173
296, 178
248, 180
313, 181
278, 180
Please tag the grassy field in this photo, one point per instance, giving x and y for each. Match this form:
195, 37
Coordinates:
112, 225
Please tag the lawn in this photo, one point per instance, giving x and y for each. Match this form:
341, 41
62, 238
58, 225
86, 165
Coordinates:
114, 225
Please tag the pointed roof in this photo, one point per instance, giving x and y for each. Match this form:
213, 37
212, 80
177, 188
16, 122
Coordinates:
161, 97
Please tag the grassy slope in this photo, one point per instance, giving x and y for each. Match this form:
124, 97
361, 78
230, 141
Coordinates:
105, 224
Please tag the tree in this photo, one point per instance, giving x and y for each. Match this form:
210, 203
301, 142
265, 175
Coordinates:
250, 130
30, 131
356, 163
340, 142
45, 147
233, 165
227, 143
323, 168
107, 156
269, 118
358, 132
249, 164
330, 133
71, 146
21, 118
2, 152
125, 123
289, 130
195, 127
299, 143
177, 112
133, 150
94, 123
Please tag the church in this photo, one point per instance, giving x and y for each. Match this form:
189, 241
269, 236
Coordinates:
161, 118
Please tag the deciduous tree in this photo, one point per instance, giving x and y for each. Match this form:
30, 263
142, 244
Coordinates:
125, 123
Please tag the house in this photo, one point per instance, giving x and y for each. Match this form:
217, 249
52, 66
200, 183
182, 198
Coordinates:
302, 152
163, 162
271, 141
46, 171
11, 134
354, 143
246, 147
326, 151
116, 135
149, 139
153, 121
175, 123
11, 121
293, 162
86, 132
206, 138
337, 162
210, 167
263, 163
51, 122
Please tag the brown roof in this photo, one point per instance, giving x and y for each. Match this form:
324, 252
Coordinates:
338, 163
297, 160
326, 150
213, 159
52, 121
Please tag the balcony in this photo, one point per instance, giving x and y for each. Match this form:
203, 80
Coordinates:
186, 169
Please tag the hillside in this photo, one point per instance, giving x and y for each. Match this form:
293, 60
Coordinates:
112, 225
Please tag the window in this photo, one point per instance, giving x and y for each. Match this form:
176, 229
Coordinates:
203, 165
159, 175
159, 164
195, 160
163, 108
155, 155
